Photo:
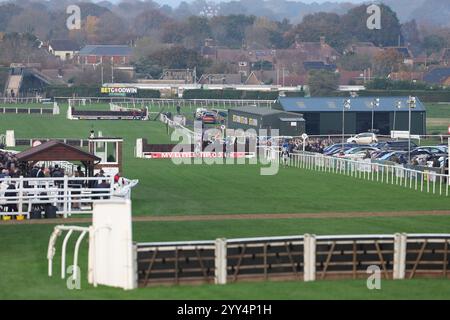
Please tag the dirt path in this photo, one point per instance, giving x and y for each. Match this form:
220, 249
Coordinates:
221, 217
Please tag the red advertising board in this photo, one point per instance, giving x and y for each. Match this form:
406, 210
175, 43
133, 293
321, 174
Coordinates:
172, 155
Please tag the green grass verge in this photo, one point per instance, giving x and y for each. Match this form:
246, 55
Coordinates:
24, 268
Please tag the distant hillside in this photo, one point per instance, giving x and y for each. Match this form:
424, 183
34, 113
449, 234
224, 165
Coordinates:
433, 12
273, 9
405, 8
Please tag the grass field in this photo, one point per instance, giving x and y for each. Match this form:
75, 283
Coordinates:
24, 269
438, 118
167, 189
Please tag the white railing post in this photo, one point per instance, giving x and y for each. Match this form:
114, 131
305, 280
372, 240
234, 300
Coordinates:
20, 202
309, 258
400, 242
66, 197
221, 261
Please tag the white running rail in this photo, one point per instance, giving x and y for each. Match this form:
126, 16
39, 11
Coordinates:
423, 181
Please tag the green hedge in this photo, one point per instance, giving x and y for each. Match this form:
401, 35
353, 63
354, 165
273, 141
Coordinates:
229, 94
87, 91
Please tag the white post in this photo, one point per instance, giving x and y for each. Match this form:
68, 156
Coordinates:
20, 202
400, 240
221, 261
114, 262
63, 254
67, 202
309, 258
10, 139
75, 255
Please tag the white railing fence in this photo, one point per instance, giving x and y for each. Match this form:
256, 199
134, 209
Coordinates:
70, 195
160, 102
423, 181
175, 125
22, 100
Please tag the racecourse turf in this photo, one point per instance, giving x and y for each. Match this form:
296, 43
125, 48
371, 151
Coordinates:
24, 267
169, 189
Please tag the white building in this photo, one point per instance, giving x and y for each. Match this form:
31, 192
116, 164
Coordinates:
64, 49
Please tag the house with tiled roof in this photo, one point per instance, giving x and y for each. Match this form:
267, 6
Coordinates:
405, 52
94, 54
290, 58
363, 49
222, 78
63, 49
445, 57
438, 75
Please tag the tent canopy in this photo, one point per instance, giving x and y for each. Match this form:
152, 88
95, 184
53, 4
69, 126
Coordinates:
56, 151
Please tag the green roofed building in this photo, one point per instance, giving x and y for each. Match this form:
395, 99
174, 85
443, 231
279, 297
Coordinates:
288, 123
323, 116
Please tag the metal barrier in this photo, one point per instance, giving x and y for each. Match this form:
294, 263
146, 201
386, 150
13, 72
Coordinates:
424, 181
307, 258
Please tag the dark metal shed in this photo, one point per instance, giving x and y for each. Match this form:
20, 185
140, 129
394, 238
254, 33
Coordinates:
324, 115
257, 118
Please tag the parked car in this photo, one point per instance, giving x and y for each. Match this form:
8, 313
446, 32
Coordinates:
393, 156
420, 151
433, 149
337, 147
363, 138
379, 154
359, 153
399, 145
209, 118
379, 145
199, 113
221, 115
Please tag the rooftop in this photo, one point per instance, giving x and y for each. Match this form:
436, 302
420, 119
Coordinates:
334, 104
64, 45
55, 151
257, 110
106, 50
437, 75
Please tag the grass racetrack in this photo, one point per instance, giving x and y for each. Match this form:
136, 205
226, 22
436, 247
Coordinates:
24, 267
166, 189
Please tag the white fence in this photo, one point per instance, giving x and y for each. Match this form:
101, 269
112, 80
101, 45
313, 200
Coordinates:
191, 103
31, 110
21, 100
424, 181
116, 107
175, 125
69, 195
